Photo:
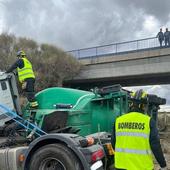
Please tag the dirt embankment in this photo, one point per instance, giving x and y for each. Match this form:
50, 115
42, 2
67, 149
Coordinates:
164, 127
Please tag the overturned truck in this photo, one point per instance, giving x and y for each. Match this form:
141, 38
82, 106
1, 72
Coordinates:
75, 122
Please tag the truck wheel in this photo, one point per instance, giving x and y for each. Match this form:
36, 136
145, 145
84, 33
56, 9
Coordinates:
54, 157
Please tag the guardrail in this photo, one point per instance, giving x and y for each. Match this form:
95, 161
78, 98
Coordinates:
116, 48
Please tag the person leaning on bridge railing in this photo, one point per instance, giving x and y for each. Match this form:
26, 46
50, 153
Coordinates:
135, 137
160, 37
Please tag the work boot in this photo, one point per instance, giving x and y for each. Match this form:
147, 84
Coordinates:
34, 105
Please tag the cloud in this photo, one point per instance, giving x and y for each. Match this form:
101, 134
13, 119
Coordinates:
159, 90
73, 24
149, 27
158, 9
79, 24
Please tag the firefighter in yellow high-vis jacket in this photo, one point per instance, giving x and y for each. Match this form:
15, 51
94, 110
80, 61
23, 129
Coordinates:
26, 77
135, 137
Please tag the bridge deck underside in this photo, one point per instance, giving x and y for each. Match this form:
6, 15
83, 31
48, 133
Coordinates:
135, 70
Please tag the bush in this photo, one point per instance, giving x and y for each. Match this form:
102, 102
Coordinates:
51, 64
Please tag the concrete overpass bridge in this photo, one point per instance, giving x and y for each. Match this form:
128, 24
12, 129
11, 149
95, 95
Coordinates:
139, 62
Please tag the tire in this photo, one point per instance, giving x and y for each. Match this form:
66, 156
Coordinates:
54, 157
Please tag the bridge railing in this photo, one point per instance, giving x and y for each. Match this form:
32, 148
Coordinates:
116, 48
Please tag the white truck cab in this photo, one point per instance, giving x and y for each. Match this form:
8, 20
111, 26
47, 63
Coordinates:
8, 95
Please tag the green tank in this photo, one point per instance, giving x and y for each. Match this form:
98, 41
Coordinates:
90, 112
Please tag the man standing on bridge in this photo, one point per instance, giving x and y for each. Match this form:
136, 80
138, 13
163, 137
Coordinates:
167, 37
160, 37
135, 137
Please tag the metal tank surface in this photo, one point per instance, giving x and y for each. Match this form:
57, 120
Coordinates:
90, 112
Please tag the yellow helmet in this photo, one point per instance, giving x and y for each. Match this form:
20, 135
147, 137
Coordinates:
139, 101
21, 53
139, 94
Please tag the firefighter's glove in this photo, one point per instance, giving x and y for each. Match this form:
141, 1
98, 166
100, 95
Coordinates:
2, 73
24, 85
165, 168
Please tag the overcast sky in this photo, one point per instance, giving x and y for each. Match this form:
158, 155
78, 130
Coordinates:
73, 24
159, 90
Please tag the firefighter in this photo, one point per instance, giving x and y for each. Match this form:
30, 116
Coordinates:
26, 77
135, 137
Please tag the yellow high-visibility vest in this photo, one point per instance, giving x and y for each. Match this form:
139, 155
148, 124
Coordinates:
26, 71
132, 148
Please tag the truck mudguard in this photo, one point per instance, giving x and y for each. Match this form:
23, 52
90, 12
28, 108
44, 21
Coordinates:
68, 139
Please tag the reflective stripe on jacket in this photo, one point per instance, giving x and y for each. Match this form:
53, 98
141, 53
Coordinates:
26, 71
132, 148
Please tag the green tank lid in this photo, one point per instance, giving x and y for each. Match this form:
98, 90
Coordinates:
49, 97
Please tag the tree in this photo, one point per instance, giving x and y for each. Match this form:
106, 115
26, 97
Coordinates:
6, 50
51, 64
57, 63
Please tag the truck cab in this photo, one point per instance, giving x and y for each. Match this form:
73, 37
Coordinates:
9, 95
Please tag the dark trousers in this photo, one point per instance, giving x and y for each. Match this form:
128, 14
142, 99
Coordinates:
167, 42
29, 90
160, 41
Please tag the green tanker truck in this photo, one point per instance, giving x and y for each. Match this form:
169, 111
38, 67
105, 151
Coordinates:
88, 112
61, 124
